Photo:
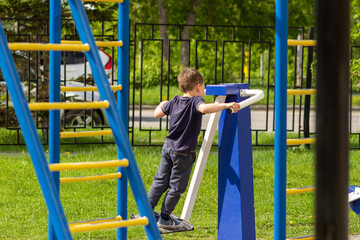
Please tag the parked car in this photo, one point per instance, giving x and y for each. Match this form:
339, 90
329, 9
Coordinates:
72, 73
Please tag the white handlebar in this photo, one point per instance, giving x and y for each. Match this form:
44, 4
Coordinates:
255, 96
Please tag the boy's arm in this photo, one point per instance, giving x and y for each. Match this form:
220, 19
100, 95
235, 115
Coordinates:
215, 107
158, 113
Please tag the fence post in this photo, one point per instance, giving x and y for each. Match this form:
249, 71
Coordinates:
308, 85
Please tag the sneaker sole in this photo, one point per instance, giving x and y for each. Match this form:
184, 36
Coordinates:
168, 226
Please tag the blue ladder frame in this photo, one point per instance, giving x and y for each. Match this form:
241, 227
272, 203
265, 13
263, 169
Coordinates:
58, 226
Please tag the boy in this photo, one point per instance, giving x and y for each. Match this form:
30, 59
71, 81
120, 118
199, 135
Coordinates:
178, 152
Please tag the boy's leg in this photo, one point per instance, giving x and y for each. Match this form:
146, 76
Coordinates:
161, 180
179, 180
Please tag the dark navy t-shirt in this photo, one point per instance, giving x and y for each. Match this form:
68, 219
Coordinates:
185, 123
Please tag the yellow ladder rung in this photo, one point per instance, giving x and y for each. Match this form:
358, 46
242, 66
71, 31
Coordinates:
40, 106
87, 88
98, 43
106, 225
96, 221
55, 167
291, 142
291, 191
301, 91
85, 134
90, 178
303, 238
295, 42
49, 47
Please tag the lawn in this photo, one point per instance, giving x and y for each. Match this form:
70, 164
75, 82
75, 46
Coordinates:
24, 213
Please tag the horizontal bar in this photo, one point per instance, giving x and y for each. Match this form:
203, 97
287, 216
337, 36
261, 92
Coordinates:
96, 221
98, 43
40, 106
55, 167
301, 91
85, 134
308, 43
87, 88
291, 191
303, 238
90, 178
255, 96
106, 225
291, 142
49, 47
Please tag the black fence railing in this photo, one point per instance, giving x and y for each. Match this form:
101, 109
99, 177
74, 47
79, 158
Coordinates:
223, 54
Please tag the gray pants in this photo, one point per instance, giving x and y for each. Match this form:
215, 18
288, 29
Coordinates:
173, 174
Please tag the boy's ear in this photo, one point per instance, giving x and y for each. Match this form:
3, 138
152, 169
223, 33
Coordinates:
197, 87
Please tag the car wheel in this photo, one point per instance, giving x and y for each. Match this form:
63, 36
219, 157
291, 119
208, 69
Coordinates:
81, 118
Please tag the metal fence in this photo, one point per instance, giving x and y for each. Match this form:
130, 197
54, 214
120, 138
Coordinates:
223, 54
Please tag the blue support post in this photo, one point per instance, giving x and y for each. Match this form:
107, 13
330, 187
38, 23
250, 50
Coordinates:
123, 104
117, 125
32, 140
281, 37
236, 217
54, 96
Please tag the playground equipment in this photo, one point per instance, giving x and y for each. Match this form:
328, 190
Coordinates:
354, 191
236, 218
332, 118
48, 174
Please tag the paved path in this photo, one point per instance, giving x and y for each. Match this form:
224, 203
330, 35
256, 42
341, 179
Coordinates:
260, 119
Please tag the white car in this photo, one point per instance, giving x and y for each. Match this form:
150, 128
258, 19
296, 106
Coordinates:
72, 73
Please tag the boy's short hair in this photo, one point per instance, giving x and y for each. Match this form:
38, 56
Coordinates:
188, 79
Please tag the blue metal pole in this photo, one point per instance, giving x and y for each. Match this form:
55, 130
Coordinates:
123, 104
54, 96
118, 128
281, 36
32, 140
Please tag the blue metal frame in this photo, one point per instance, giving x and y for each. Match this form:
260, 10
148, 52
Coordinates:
123, 100
32, 140
49, 182
281, 36
54, 96
114, 117
236, 213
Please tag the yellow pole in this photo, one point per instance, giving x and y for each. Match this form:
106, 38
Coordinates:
90, 178
308, 43
49, 47
85, 134
98, 43
107, 225
291, 191
300, 141
87, 89
40, 106
301, 91
55, 167
118, 218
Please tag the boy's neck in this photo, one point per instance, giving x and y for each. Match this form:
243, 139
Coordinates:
191, 93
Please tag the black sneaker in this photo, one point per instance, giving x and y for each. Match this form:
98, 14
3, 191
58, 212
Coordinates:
157, 216
171, 223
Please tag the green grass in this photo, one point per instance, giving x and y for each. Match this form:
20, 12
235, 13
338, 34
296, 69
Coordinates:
24, 213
